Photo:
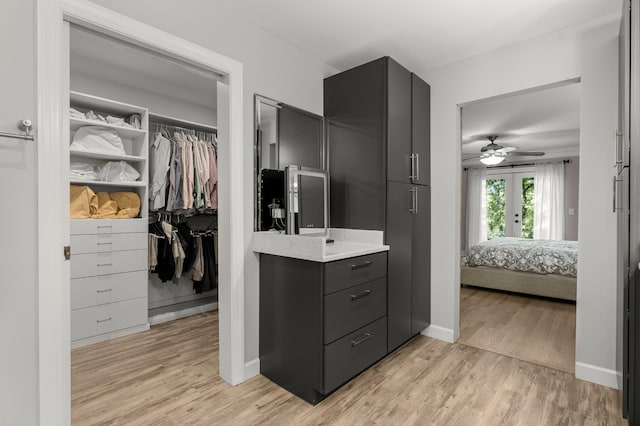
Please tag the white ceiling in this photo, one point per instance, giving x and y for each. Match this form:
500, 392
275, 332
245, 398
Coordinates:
420, 34
545, 120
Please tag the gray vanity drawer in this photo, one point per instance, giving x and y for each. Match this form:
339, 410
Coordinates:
352, 354
346, 273
350, 309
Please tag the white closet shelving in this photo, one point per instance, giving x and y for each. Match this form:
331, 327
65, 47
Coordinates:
109, 256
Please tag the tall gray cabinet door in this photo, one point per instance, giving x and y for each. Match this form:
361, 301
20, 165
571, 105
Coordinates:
420, 129
354, 112
421, 262
300, 138
398, 122
398, 237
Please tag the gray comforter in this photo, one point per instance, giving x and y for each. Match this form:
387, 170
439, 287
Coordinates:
517, 254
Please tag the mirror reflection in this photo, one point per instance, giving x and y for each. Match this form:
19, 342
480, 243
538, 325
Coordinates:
284, 135
307, 191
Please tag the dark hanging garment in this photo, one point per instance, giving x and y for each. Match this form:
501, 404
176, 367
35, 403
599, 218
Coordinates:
166, 267
210, 276
190, 246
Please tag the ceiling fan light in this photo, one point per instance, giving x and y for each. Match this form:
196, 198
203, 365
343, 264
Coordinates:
491, 159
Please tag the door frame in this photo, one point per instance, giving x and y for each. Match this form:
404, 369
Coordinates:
53, 304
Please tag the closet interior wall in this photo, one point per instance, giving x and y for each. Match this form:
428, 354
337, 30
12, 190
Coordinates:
174, 95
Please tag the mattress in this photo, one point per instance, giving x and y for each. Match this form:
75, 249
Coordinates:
525, 255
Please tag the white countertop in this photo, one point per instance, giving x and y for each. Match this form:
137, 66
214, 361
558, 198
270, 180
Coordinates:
347, 243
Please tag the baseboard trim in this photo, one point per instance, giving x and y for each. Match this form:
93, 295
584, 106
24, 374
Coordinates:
170, 316
598, 375
251, 368
439, 333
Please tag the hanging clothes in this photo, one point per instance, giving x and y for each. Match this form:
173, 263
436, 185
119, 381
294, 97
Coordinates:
184, 173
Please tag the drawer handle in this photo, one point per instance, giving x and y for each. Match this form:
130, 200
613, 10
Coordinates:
356, 342
103, 291
104, 244
361, 265
105, 264
361, 295
104, 320
105, 226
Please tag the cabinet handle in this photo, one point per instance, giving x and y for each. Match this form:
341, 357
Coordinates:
104, 320
361, 265
104, 244
414, 200
615, 194
416, 170
103, 291
617, 149
104, 264
359, 340
411, 166
361, 295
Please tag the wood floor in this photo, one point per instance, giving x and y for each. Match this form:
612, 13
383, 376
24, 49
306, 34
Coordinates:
168, 376
542, 331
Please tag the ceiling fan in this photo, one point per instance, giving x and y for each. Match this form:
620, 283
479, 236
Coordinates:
493, 153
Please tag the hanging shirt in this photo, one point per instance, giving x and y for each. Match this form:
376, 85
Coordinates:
159, 158
213, 177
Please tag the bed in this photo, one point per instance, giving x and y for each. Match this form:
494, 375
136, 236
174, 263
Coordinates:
538, 267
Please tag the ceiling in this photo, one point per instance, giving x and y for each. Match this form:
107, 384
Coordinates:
420, 34
544, 120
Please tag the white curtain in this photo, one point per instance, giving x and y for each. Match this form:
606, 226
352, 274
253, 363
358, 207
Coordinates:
476, 206
548, 202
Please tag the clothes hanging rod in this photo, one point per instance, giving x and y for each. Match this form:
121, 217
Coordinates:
174, 121
517, 165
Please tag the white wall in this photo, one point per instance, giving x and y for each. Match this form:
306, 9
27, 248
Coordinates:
271, 67
571, 199
568, 54
157, 103
596, 316
18, 254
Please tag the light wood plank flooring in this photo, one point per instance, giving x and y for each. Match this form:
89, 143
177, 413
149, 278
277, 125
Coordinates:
167, 376
542, 331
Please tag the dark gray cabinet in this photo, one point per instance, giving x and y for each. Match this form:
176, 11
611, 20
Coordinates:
378, 140
321, 324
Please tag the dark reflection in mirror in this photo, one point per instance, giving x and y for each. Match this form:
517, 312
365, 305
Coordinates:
284, 135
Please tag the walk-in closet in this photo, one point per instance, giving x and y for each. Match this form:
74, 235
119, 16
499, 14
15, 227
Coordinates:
143, 189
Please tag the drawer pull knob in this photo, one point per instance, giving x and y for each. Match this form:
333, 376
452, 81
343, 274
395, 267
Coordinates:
359, 340
361, 295
103, 291
361, 265
104, 264
104, 320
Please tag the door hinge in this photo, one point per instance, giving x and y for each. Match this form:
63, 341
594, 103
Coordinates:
67, 252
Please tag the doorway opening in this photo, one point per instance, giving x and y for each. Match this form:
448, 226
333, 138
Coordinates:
53, 183
520, 159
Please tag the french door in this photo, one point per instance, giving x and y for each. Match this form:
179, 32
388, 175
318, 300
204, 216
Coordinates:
509, 199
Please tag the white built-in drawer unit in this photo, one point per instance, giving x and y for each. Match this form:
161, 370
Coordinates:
109, 318
108, 279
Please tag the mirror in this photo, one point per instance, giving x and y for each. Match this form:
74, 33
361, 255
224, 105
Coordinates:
284, 135
307, 201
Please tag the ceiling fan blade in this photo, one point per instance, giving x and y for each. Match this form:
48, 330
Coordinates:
507, 149
527, 153
471, 158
